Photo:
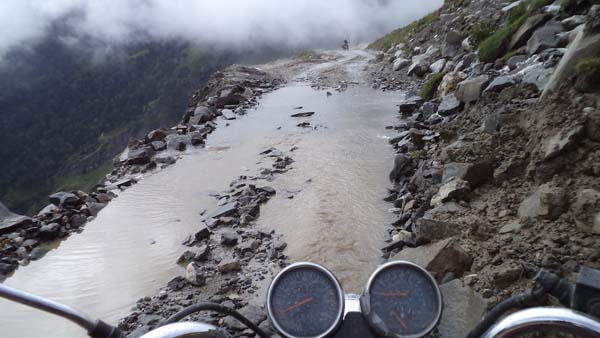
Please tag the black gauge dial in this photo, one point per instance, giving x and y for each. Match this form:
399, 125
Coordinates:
305, 300
403, 300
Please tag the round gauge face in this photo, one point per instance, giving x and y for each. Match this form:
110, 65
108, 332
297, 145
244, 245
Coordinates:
305, 301
406, 299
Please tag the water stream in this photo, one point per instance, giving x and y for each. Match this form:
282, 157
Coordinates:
336, 216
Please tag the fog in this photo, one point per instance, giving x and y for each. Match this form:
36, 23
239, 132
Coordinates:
228, 23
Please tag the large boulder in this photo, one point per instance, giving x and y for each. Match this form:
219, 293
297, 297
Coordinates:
582, 47
452, 43
449, 83
419, 68
400, 63
586, 209
456, 189
202, 114
523, 34
438, 66
63, 198
10, 222
403, 167
429, 230
439, 258
544, 38
470, 90
499, 83
139, 156
178, 142
548, 201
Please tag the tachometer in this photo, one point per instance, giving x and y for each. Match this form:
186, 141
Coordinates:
305, 300
402, 300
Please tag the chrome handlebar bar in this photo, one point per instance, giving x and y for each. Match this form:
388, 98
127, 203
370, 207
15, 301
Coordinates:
187, 330
545, 318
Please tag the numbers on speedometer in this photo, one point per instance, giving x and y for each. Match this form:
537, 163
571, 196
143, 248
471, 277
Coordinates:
402, 300
305, 300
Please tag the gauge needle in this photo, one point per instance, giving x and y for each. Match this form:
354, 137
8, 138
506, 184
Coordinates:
392, 294
399, 320
299, 304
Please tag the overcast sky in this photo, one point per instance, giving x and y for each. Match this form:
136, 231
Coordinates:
294, 23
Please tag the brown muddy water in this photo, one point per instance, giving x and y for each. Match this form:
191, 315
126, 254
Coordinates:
336, 216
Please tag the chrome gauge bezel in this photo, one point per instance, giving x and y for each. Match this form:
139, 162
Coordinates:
334, 280
366, 300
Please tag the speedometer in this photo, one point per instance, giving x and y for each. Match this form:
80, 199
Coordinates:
305, 300
402, 300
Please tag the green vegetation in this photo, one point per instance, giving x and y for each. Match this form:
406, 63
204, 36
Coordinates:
460, 3
308, 55
480, 32
590, 68
401, 35
496, 45
428, 90
64, 113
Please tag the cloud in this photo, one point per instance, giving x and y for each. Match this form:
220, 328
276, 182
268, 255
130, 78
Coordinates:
228, 23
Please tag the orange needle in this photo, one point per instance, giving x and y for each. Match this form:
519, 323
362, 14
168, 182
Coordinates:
399, 320
299, 304
392, 294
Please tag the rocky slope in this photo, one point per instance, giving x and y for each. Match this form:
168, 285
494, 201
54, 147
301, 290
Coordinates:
497, 173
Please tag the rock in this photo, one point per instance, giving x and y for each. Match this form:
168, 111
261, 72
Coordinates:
523, 34
410, 105
438, 258
572, 22
428, 109
544, 38
537, 75
47, 210
499, 83
49, 231
513, 226
186, 257
248, 246
177, 283
563, 141
400, 63
456, 189
490, 124
229, 238
202, 234
158, 145
30, 244
158, 135
449, 83
514, 61
418, 68
229, 265
228, 114
77, 220
254, 313
402, 168
429, 230
586, 210
202, 253
450, 105
306, 114
178, 142
470, 90
474, 173
63, 199
437, 66
506, 274
582, 47
223, 211
194, 275
38, 253
95, 208
10, 221
592, 126
547, 202
463, 309
452, 43
139, 156
6, 269
593, 20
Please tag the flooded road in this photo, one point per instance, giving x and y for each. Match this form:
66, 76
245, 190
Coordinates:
336, 216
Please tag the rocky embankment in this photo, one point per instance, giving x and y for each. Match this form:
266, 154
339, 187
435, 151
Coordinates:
227, 94
497, 172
